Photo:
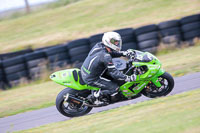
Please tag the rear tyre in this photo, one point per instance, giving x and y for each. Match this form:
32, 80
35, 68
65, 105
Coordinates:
67, 109
167, 83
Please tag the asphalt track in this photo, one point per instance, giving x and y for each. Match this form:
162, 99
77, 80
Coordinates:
44, 116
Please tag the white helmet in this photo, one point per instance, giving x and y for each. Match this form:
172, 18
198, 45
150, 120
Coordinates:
112, 40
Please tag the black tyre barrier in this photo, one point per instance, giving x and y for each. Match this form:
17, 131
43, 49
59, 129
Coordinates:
169, 24
92, 45
170, 31
171, 35
15, 79
13, 61
35, 63
151, 50
58, 57
145, 38
148, 36
125, 31
191, 34
2, 85
32, 63
35, 55
47, 47
15, 68
55, 50
190, 26
172, 39
78, 42
1, 75
96, 38
17, 75
128, 38
79, 50
148, 44
32, 57
35, 72
146, 29
78, 65
190, 19
79, 58
59, 64
131, 45
14, 54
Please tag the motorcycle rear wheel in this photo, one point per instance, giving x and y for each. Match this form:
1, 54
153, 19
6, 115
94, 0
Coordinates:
68, 109
167, 83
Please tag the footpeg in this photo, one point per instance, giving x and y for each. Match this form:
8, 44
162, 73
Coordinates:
97, 93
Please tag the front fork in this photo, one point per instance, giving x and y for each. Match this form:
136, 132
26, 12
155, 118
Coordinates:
128, 93
155, 78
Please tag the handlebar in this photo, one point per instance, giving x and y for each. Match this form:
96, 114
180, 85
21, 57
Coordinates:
131, 57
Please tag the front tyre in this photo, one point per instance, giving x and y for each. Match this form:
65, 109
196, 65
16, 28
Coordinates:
68, 109
167, 84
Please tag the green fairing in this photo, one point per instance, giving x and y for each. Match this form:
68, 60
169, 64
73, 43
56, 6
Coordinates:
66, 78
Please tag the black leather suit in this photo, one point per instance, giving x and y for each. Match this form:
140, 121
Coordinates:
97, 61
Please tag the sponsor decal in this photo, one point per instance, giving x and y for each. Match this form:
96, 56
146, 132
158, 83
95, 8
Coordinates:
67, 83
138, 88
64, 74
128, 93
125, 90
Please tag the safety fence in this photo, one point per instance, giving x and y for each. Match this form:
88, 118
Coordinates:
29, 64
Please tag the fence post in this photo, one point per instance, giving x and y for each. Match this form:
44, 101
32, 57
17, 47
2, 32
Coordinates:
27, 6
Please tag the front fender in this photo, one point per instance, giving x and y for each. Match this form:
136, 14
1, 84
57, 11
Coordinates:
155, 77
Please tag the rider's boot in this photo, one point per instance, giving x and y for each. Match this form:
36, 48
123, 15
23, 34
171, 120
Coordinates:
114, 95
103, 97
95, 97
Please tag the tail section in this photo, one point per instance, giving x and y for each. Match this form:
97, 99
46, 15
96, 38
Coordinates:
70, 78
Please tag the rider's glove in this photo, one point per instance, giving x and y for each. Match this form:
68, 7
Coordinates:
130, 78
128, 52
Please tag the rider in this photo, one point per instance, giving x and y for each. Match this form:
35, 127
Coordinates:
100, 58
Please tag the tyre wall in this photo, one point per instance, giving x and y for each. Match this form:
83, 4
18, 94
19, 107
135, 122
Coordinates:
29, 64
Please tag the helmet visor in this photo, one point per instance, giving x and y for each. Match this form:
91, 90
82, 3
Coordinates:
115, 42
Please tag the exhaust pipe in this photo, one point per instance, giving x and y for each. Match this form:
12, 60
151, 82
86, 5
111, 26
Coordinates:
71, 99
79, 102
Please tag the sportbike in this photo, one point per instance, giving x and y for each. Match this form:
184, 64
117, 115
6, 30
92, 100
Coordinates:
153, 82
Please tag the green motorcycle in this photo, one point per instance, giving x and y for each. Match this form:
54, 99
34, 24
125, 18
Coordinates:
152, 81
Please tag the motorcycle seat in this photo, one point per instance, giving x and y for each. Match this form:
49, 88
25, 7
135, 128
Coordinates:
76, 75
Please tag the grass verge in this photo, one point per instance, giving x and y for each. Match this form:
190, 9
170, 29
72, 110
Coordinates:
40, 95
181, 61
87, 17
28, 98
175, 114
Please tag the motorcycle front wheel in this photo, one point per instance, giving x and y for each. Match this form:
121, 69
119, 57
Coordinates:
167, 84
69, 109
